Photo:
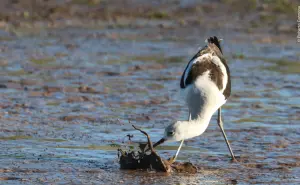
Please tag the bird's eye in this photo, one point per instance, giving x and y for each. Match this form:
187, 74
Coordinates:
171, 133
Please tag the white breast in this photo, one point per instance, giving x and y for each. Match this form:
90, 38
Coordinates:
203, 97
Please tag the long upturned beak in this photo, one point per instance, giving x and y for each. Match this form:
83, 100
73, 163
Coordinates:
162, 140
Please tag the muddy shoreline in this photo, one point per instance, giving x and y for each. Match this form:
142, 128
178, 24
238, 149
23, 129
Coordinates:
248, 16
70, 92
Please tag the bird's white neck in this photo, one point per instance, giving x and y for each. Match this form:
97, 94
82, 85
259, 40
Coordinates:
196, 126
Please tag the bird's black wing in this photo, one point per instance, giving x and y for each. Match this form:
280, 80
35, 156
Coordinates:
183, 82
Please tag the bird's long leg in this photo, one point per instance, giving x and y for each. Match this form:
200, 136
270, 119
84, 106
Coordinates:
175, 157
177, 152
220, 123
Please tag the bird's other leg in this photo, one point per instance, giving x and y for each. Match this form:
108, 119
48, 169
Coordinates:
177, 152
220, 123
173, 159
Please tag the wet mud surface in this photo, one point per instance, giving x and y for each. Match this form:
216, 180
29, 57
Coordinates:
69, 96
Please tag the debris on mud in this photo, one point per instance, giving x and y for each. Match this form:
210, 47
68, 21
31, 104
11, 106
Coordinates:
86, 89
141, 160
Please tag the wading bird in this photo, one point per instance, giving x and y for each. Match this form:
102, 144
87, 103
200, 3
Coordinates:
206, 84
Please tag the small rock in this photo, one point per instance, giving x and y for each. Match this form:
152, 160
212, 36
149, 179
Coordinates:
86, 89
73, 99
285, 28
3, 86
78, 117
52, 89
70, 89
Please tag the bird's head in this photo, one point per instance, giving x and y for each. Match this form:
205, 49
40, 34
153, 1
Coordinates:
173, 132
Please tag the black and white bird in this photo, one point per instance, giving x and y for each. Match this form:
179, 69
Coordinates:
206, 84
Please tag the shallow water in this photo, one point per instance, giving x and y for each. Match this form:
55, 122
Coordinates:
68, 98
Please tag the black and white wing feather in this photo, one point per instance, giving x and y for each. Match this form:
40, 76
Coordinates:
208, 59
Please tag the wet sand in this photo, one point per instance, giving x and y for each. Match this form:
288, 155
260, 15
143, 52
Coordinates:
69, 95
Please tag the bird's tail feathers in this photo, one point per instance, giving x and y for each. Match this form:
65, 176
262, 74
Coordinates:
216, 41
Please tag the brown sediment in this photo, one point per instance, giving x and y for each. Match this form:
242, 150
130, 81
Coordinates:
86, 89
9, 178
73, 99
142, 160
78, 117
